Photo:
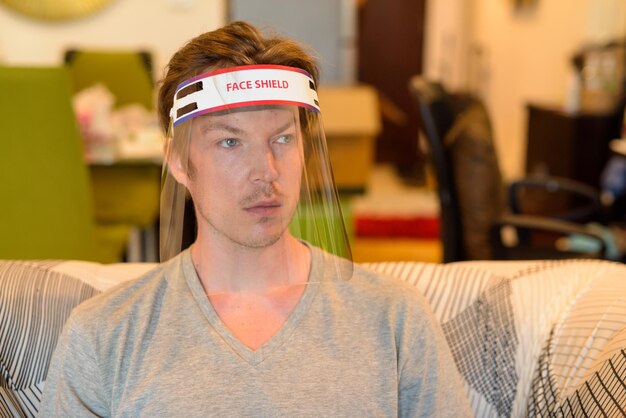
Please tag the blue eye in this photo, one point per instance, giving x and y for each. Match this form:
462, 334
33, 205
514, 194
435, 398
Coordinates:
284, 139
228, 142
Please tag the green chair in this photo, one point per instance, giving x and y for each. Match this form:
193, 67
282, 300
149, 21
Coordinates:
46, 209
123, 193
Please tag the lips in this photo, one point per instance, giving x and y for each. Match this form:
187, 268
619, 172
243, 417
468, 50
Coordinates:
264, 207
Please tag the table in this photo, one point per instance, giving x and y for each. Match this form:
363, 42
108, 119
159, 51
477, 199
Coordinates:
126, 189
574, 146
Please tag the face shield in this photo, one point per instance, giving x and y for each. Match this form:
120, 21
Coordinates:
247, 145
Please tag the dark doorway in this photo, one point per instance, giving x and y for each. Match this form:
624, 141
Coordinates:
390, 47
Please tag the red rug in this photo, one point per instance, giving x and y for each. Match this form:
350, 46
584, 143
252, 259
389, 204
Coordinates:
396, 227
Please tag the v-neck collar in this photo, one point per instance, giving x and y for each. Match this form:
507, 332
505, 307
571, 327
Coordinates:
254, 357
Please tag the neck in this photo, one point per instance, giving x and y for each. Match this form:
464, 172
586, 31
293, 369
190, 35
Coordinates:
232, 268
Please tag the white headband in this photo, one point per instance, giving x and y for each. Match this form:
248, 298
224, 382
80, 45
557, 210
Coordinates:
250, 85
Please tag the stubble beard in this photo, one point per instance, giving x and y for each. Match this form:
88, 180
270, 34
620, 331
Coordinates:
251, 241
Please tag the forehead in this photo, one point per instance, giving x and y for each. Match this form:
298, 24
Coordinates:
256, 115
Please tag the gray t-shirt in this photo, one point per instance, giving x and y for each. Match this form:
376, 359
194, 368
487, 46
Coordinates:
156, 347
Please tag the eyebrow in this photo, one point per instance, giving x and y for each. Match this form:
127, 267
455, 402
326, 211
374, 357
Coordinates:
236, 131
223, 126
287, 125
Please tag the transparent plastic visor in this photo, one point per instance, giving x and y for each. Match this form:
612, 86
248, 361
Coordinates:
254, 162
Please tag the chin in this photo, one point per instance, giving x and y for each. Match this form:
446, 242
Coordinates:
260, 242
257, 237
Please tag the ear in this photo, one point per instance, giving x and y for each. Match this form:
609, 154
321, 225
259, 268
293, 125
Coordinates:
177, 170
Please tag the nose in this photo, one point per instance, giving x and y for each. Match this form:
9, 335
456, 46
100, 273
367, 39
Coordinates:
264, 167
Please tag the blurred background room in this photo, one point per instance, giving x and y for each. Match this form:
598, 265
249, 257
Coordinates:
80, 157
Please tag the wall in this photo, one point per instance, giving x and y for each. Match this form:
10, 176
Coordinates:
301, 20
161, 26
446, 43
509, 57
515, 56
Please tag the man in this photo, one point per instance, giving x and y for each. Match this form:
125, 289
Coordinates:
253, 319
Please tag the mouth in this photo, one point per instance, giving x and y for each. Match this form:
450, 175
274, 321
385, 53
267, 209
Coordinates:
264, 207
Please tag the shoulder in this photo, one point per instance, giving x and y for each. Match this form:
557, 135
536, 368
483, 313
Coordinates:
371, 293
368, 277
386, 309
332, 269
388, 292
128, 299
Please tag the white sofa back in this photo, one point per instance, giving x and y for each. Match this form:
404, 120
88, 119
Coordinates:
529, 338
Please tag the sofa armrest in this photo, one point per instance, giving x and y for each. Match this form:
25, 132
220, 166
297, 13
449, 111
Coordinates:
36, 298
509, 324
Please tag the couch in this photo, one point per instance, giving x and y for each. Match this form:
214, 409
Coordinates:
532, 338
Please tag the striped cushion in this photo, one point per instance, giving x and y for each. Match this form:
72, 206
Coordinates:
582, 366
542, 338
36, 298
35, 301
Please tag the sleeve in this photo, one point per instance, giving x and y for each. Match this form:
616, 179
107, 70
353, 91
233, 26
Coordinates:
73, 386
429, 382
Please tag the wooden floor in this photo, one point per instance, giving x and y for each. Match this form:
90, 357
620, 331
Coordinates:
370, 250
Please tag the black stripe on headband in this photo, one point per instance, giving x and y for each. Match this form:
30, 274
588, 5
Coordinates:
187, 90
312, 87
186, 109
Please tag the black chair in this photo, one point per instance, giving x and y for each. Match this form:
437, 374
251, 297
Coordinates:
480, 217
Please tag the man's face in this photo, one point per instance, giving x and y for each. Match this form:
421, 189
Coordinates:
245, 173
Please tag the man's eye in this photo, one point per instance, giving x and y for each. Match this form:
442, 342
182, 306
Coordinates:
284, 139
228, 142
